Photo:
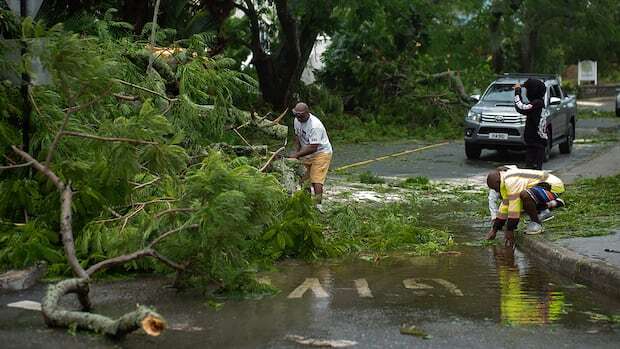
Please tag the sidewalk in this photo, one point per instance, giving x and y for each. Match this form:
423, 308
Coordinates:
584, 258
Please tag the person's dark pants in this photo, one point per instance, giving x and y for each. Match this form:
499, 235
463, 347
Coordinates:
535, 156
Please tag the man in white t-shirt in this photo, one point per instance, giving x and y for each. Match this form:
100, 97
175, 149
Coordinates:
312, 147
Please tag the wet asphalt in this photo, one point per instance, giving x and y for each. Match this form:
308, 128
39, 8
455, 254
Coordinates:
449, 163
476, 297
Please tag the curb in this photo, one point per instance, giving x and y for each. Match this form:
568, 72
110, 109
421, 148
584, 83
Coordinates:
602, 276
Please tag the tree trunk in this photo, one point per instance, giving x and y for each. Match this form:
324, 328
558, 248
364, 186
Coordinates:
529, 40
279, 72
495, 37
136, 12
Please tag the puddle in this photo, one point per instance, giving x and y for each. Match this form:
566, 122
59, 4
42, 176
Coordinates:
471, 296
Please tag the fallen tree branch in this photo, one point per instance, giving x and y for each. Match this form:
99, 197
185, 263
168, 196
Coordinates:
168, 233
455, 82
146, 90
39, 167
173, 210
125, 97
25, 164
56, 316
273, 156
279, 118
142, 185
108, 139
50, 152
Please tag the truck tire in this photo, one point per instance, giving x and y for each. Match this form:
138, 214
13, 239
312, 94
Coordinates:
472, 151
567, 146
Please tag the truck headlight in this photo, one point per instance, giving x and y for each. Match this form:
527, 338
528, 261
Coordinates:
473, 116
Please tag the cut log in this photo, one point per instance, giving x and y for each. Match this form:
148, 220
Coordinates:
56, 316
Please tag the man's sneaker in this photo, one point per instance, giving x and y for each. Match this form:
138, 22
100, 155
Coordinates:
320, 208
533, 228
545, 215
560, 202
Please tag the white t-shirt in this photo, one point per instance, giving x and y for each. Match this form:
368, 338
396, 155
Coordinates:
313, 132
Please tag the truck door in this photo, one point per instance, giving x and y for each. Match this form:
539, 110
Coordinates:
557, 112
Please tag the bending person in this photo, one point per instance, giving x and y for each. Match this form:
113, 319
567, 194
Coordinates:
527, 190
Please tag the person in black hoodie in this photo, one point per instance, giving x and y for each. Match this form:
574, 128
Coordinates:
535, 124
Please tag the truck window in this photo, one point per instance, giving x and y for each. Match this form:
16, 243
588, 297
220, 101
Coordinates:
555, 91
499, 93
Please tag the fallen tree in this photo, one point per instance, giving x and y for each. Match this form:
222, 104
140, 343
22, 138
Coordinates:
54, 315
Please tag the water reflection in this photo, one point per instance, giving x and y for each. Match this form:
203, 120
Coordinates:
520, 302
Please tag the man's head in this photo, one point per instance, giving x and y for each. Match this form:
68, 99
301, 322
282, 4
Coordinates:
494, 180
301, 112
534, 89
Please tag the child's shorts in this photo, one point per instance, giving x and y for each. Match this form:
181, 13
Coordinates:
541, 196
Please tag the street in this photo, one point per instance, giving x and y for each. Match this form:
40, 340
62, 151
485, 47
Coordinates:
474, 296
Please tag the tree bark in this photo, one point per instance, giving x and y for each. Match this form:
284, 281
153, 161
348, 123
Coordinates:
56, 316
495, 36
455, 82
279, 72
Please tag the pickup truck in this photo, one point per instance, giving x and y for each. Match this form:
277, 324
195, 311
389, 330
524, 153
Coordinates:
493, 122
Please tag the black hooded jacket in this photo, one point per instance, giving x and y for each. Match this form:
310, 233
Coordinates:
535, 126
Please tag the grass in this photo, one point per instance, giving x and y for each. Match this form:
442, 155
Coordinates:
593, 209
584, 114
369, 178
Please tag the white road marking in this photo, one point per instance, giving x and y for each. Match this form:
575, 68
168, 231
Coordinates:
362, 288
414, 284
29, 305
417, 285
309, 283
450, 286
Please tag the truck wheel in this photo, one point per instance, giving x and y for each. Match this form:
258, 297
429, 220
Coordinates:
472, 151
567, 146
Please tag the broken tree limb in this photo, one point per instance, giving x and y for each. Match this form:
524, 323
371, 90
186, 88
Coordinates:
108, 139
56, 316
273, 156
455, 82
242, 150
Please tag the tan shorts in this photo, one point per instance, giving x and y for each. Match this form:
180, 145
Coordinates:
317, 167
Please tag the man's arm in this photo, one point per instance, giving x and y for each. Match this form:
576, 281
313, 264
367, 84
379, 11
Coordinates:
306, 150
297, 144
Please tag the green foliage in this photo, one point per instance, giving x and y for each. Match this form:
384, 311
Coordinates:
24, 245
233, 207
298, 232
369, 178
380, 228
591, 209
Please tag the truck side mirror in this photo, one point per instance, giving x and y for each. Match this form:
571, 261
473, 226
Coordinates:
475, 98
555, 101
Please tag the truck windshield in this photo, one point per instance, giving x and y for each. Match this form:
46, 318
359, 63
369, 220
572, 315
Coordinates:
500, 93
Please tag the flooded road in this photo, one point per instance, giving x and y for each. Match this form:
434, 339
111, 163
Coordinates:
474, 296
